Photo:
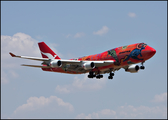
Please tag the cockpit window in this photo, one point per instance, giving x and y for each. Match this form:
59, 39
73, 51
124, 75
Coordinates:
142, 45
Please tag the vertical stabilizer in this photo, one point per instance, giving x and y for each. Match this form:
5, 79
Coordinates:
46, 52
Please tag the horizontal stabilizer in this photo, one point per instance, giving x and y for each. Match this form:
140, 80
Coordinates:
38, 66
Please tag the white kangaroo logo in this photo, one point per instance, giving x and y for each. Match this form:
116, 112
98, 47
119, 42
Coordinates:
50, 56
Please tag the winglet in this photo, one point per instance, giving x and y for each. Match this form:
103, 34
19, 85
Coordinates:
13, 55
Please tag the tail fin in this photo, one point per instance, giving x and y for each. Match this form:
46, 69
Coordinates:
46, 52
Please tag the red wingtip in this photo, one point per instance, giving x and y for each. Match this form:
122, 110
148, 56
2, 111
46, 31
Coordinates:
13, 55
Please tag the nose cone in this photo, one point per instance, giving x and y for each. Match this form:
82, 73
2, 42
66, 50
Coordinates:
149, 52
152, 51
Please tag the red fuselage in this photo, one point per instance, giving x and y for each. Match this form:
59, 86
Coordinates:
123, 56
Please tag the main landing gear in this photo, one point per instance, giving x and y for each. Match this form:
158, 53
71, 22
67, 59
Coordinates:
111, 75
98, 76
142, 67
92, 75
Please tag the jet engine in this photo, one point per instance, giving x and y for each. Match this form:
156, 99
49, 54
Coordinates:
132, 68
55, 63
88, 65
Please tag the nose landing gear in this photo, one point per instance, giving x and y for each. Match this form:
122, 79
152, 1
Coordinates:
142, 67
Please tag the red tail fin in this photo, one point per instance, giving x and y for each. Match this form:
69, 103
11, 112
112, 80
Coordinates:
46, 52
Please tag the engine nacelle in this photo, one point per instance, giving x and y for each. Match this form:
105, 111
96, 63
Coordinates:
55, 63
88, 65
132, 68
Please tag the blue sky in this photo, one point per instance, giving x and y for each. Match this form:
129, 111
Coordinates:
75, 29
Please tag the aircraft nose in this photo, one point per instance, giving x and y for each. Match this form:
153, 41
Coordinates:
152, 51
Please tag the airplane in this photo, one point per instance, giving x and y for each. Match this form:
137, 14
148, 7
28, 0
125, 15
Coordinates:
125, 57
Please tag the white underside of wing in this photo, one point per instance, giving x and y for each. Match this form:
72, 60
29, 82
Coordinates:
103, 63
97, 63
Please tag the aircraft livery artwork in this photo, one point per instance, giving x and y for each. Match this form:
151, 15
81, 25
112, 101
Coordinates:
125, 57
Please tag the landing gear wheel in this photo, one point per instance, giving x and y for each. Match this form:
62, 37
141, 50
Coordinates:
94, 75
90, 76
110, 77
99, 76
142, 67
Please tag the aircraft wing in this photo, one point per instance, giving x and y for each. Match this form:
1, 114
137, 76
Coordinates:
45, 59
73, 63
63, 60
31, 58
